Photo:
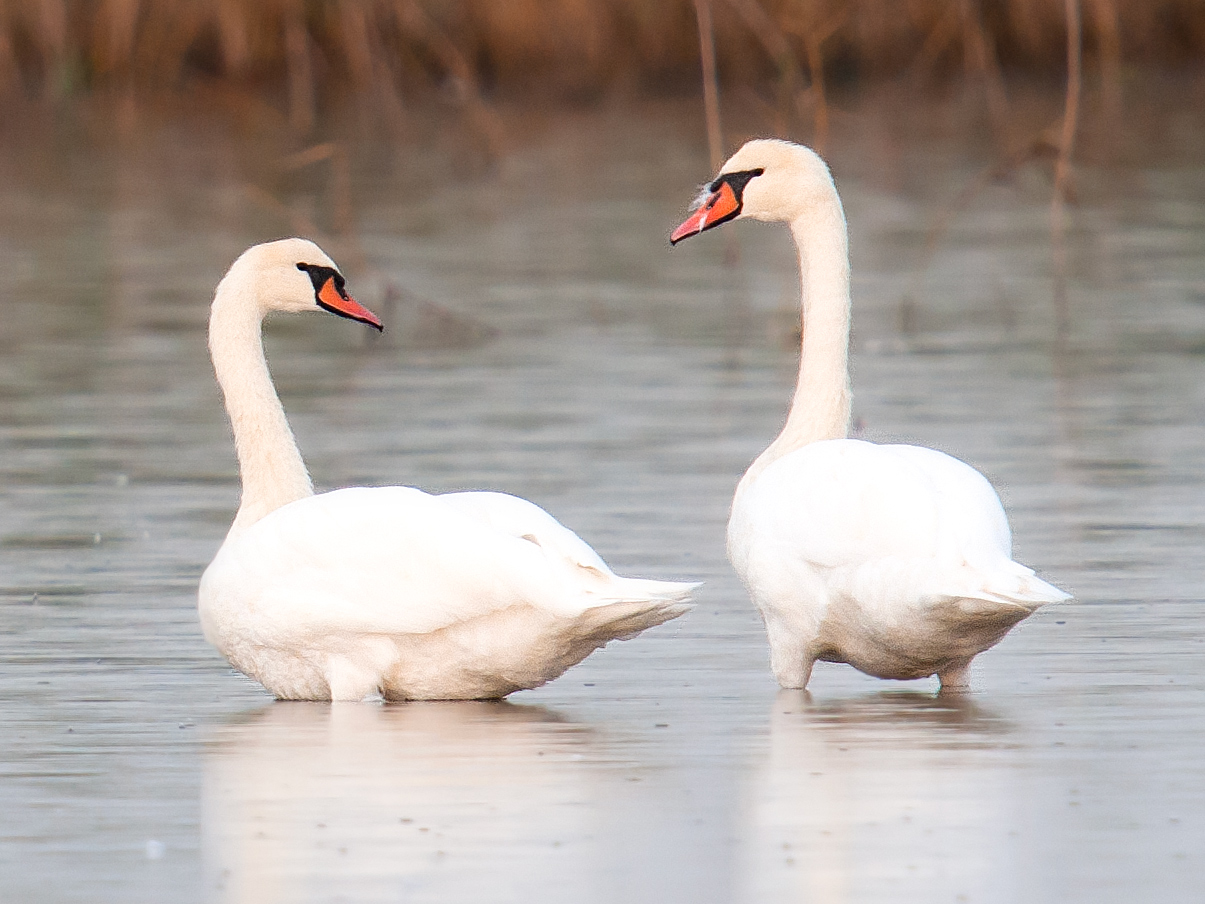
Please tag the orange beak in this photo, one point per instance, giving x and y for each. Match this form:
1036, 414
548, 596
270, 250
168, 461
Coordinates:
718, 208
344, 305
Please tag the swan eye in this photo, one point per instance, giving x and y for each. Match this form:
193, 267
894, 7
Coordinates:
709, 193
319, 275
737, 181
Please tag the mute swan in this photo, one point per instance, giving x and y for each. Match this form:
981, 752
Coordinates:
894, 559
389, 589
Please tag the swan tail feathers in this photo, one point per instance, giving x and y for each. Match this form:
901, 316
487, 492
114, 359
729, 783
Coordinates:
625, 619
635, 590
1004, 587
1021, 589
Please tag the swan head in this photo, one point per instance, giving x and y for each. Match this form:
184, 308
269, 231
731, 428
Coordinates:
767, 179
296, 276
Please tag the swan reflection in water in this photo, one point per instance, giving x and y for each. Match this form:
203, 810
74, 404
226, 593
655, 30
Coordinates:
895, 796
423, 801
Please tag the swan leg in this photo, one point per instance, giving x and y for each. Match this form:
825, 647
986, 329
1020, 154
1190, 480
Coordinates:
791, 656
791, 663
349, 681
793, 674
791, 649
956, 677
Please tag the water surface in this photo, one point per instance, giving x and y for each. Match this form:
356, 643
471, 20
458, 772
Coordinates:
542, 339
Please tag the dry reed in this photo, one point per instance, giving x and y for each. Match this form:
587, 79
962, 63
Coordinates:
307, 52
711, 88
1062, 167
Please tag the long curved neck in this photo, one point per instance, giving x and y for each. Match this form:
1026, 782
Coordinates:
821, 406
270, 464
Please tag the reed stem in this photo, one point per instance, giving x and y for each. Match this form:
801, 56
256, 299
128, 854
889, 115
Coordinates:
1062, 166
711, 88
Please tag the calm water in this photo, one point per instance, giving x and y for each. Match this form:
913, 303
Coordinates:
543, 339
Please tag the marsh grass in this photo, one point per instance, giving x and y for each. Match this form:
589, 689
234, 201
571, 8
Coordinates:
307, 53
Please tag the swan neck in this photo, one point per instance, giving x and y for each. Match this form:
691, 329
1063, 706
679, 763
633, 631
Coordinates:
270, 465
820, 408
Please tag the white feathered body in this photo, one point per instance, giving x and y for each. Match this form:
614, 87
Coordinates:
388, 589
415, 596
895, 559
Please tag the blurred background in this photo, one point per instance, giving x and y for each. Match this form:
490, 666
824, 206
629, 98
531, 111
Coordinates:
1025, 187
306, 57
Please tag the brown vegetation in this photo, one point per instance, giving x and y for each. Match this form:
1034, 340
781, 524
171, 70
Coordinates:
305, 51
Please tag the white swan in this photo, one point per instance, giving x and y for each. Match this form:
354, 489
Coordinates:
387, 589
894, 559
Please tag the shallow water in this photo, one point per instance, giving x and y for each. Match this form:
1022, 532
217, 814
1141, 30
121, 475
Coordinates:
547, 342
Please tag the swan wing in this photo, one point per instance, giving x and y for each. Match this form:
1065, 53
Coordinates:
571, 557
516, 517
381, 560
839, 503
972, 521
975, 529
888, 522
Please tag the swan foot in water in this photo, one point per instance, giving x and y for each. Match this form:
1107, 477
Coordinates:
955, 678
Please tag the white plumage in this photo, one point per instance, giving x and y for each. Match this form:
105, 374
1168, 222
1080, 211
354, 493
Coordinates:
387, 589
895, 559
